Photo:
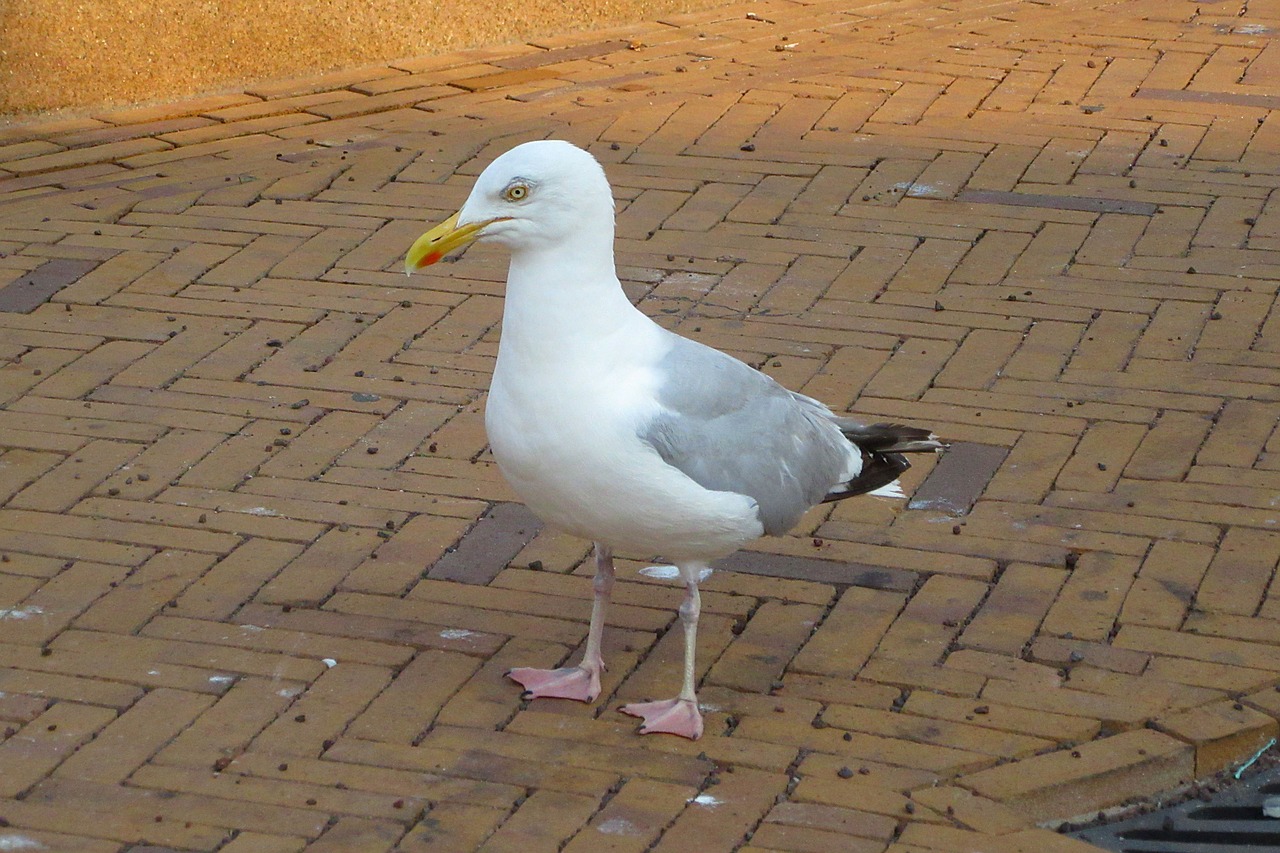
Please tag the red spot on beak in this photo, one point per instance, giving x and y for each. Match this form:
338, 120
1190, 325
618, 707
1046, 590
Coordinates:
429, 259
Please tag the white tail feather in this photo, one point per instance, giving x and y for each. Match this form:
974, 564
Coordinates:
889, 490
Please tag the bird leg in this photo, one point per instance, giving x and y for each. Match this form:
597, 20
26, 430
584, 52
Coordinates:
678, 716
581, 682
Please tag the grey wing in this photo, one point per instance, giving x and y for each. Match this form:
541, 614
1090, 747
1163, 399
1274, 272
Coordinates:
731, 428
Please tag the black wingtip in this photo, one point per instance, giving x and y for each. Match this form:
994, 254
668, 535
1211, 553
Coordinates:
878, 470
890, 437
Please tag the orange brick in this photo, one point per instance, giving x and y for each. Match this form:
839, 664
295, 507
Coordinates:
836, 689
1064, 652
1039, 841
1100, 457
1223, 733
928, 623
1106, 772
1092, 596
268, 640
947, 838
316, 447
880, 748
723, 813
1004, 667
45, 742
287, 499
112, 694
832, 819
82, 156
148, 473
1220, 678
1117, 712
21, 467
324, 710
543, 821
454, 827
77, 476
1208, 649
146, 592
803, 839
1241, 570
1044, 352
184, 809
1238, 434
1014, 609
940, 732
754, 660
281, 793
634, 817
234, 579
685, 769
1166, 694
376, 777
1173, 331
45, 612
131, 739
346, 833
401, 561
232, 461
63, 841
409, 704
880, 790
111, 820
971, 811
911, 675
631, 590
849, 633
481, 769
1166, 582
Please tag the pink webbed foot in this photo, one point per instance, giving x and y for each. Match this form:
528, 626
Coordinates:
570, 682
672, 716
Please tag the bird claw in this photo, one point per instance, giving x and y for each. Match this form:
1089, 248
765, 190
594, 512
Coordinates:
669, 716
570, 682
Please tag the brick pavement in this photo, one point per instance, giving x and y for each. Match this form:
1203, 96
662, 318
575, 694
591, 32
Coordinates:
260, 581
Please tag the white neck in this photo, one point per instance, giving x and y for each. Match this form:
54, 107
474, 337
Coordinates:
565, 304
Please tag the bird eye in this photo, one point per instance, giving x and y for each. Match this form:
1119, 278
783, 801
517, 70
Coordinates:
517, 192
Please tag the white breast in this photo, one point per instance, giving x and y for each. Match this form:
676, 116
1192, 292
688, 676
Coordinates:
566, 437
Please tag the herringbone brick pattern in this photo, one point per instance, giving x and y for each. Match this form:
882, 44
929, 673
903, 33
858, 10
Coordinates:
261, 581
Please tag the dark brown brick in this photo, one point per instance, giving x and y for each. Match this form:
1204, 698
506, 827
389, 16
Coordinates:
1057, 202
486, 548
957, 481
36, 287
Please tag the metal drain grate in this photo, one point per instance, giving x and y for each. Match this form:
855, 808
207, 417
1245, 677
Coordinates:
1230, 821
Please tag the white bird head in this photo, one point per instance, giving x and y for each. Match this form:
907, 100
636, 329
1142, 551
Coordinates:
544, 194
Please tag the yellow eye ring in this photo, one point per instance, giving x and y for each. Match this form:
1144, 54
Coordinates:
517, 192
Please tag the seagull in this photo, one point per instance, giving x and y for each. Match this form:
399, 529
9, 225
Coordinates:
614, 429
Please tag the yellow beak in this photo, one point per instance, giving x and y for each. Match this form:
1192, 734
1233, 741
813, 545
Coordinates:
442, 240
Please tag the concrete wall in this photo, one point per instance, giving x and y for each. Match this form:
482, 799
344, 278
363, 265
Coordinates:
57, 54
